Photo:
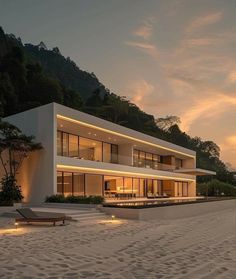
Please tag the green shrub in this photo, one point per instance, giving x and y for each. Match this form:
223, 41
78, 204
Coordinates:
11, 192
216, 188
55, 198
4, 202
75, 199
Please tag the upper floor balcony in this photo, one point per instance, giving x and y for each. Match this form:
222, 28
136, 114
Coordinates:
88, 148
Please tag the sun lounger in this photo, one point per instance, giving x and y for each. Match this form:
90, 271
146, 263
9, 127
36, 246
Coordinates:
30, 216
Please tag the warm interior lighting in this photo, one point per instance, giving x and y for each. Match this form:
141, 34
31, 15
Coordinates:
123, 173
113, 217
122, 135
16, 225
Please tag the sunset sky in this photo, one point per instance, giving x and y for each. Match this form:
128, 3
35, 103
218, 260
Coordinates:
170, 57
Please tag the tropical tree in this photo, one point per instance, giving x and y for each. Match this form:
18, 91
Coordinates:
14, 148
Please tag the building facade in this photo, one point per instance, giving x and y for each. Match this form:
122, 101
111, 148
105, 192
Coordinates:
84, 155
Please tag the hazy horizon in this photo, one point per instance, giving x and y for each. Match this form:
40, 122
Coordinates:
168, 57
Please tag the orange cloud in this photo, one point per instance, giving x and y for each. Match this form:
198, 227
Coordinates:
150, 49
232, 76
203, 21
139, 91
212, 106
144, 31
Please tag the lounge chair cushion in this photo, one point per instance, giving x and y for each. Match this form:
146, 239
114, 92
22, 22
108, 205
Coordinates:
27, 213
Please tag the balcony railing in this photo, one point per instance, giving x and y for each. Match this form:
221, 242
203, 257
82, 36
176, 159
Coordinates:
127, 161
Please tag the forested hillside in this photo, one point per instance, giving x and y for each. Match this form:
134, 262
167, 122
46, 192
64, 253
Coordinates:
31, 76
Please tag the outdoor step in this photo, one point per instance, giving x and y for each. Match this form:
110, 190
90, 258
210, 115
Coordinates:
90, 218
86, 215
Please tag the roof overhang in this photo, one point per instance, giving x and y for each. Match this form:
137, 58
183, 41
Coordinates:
196, 171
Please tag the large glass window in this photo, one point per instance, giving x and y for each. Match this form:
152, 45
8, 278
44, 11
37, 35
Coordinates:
84, 148
136, 158
136, 189
106, 152
67, 183
178, 163
185, 189
145, 159
60, 182
181, 189
148, 160
78, 184
90, 149
93, 185
128, 188
59, 143
73, 146
114, 153
65, 144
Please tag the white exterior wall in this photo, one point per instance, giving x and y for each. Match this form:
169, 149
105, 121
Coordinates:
189, 163
125, 154
38, 172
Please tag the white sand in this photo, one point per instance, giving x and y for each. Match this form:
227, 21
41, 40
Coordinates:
199, 247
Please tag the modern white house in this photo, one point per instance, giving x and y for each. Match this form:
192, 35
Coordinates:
85, 155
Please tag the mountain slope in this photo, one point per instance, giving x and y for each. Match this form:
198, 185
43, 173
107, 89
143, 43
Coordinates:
31, 76
65, 70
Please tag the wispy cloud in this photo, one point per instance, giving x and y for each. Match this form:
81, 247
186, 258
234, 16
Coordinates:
147, 48
139, 91
204, 20
208, 107
144, 33
232, 77
200, 41
145, 30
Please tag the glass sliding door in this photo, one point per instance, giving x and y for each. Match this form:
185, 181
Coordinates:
67, 183
181, 189
128, 186
60, 183
93, 185
136, 189
185, 189
78, 184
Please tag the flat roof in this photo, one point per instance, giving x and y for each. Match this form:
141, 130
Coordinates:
196, 171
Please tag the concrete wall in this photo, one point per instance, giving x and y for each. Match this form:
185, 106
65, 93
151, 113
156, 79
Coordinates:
189, 163
37, 174
171, 212
125, 154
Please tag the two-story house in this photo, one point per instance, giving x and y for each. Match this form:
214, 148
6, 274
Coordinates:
85, 155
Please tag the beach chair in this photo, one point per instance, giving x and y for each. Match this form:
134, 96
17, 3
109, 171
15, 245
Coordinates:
30, 216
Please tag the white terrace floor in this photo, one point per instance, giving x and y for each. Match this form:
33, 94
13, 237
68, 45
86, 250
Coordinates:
110, 200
